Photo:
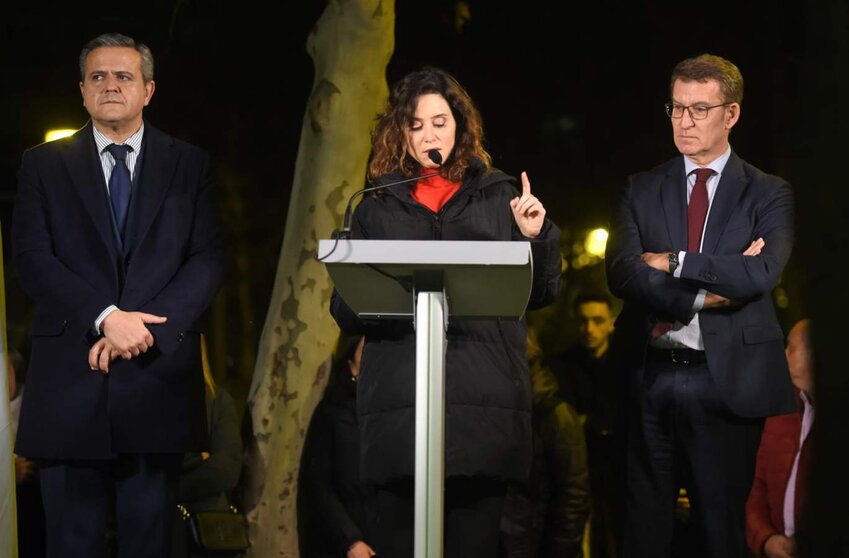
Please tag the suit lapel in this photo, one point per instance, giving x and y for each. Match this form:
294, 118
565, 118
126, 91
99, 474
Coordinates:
86, 173
728, 191
159, 161
673, 193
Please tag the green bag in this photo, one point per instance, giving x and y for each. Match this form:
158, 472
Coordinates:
221, 532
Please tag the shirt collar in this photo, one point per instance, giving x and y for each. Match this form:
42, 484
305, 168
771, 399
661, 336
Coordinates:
101, 140
717, 165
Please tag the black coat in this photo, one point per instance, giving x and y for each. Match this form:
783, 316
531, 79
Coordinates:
335, 509
487, 385
545, 518
67, 260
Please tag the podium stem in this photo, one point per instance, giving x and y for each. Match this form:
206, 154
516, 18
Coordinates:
430, 427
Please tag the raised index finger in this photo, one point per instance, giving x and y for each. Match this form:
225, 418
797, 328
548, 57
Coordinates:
526, 184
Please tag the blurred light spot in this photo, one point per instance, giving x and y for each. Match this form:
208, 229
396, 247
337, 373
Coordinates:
596, 242
53, 135
462, 14
781, 299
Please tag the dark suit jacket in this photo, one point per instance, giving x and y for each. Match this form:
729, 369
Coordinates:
776, 454
744, 344
66, 257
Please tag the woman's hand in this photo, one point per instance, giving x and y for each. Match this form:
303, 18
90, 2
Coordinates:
528, 210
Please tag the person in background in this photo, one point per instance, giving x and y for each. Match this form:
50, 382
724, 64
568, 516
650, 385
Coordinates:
431, 127
336, 511
115, 238
208, 478
591, 385
30, 510
778, 501
696, 246
545, 517
580, 368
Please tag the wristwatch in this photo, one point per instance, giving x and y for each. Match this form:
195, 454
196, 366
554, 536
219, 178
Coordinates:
673, 262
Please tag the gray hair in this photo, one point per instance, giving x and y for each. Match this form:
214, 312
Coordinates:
118, 40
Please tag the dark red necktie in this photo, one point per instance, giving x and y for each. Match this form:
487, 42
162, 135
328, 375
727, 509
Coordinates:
697, 210
696, 214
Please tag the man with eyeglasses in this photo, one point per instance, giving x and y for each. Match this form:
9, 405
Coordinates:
696, 246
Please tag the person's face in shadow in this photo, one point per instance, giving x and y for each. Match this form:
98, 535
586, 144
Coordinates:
595, 324
800, 357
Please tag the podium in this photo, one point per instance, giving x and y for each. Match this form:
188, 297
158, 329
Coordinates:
430, 282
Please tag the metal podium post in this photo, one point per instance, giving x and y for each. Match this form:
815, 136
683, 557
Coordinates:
398, 279
430, 424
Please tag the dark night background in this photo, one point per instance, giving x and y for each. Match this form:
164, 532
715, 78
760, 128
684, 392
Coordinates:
573, 94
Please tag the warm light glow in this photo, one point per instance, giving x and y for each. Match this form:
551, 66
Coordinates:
596, 242
52, 135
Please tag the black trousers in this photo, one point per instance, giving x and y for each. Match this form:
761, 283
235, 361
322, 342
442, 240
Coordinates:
472, 516
682, 435
122, 507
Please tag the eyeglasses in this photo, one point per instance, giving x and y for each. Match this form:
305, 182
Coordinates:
697, 112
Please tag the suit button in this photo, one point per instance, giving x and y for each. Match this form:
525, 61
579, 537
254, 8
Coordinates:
180, 337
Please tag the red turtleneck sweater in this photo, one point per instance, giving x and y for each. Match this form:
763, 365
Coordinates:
433, 192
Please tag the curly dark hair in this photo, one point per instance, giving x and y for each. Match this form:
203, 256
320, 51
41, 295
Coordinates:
389, 143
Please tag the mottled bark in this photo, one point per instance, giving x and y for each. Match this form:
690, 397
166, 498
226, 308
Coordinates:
350, 45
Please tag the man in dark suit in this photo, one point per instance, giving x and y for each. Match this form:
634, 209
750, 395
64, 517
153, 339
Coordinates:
115, 238
696, 246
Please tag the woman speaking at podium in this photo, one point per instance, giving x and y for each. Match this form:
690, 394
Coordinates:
431, 129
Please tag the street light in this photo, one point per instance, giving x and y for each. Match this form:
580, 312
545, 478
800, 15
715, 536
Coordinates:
596, 242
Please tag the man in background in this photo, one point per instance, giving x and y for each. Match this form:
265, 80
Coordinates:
778, 499
589, 384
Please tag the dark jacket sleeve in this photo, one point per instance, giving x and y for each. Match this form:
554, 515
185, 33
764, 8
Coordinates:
570, 499
741, 277
220, 472
43, 275
545, 250
325, 511
345, 318
630, 279
190, 291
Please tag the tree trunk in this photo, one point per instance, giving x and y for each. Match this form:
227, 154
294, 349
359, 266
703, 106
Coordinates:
350, 45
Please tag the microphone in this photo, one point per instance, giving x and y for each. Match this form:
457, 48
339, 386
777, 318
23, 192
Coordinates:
434, 155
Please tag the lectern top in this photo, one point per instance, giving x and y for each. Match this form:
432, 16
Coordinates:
481, 279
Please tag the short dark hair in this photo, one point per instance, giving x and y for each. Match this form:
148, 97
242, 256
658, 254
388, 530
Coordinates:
119, 40
591, 296
709, 66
